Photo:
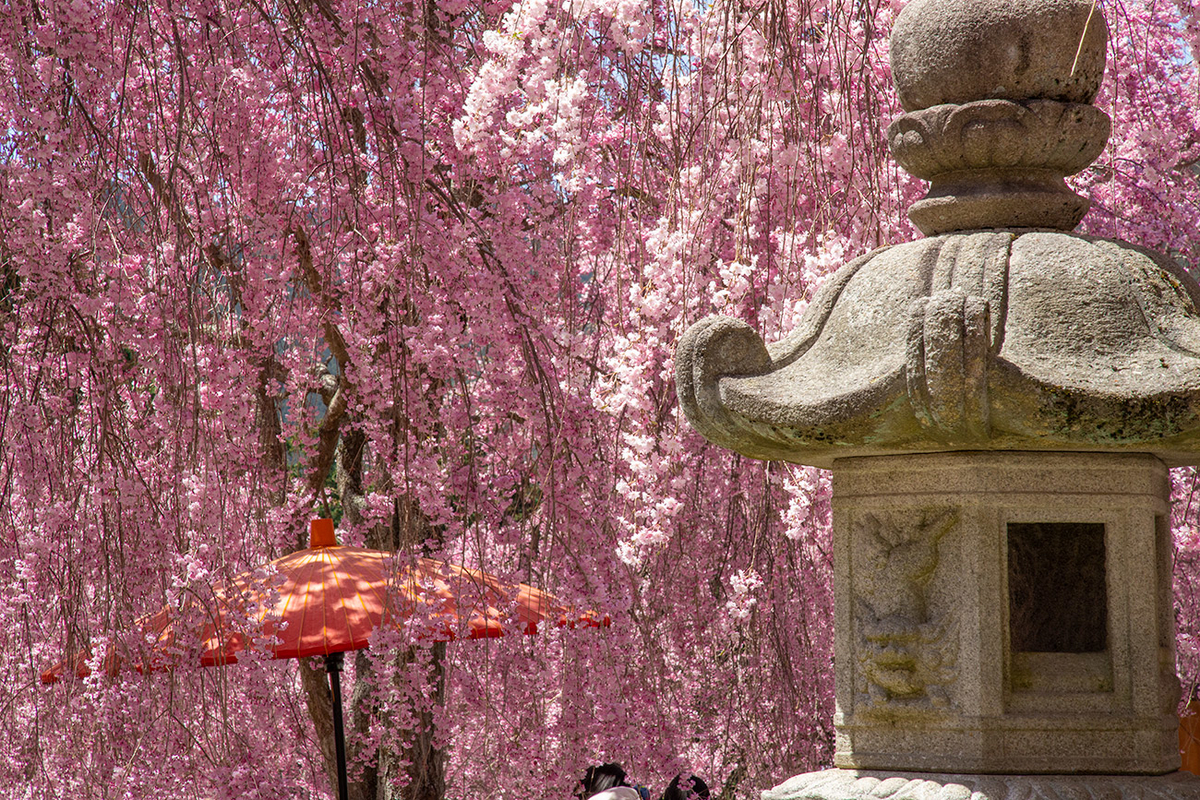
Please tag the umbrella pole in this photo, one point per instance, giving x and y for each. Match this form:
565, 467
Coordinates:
333, 666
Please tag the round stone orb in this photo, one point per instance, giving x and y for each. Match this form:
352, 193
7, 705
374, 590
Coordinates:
960, 51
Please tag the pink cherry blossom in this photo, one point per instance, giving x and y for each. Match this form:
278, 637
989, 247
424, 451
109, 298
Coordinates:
423, 266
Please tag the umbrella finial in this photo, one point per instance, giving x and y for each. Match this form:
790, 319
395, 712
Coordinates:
320, 534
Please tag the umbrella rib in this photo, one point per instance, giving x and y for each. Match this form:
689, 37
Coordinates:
378, 590
363, 601
285, 602
320, 607
325, 609
336, 577
301, 584
362, 604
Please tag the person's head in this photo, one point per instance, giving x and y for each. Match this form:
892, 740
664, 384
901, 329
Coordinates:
690, 788
599, 778
619, 793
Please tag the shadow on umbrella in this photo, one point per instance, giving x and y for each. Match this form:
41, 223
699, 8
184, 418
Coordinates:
327, 600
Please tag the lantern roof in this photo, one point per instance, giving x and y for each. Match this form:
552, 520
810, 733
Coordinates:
1002, 330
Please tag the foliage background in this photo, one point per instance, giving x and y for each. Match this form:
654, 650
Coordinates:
423, 264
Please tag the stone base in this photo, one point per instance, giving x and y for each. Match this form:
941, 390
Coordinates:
846, 784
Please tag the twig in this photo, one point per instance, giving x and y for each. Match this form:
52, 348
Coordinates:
1082, 36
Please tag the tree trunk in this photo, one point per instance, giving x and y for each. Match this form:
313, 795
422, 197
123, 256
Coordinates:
421, 761
416, 761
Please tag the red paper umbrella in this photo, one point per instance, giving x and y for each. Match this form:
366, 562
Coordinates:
327, 600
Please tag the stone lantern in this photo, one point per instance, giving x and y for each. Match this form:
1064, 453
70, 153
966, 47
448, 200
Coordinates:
999, 403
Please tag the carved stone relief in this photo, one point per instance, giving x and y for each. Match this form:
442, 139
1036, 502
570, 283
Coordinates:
906, 650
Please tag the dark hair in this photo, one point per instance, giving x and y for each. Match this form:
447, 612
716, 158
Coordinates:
599, 778
686, 789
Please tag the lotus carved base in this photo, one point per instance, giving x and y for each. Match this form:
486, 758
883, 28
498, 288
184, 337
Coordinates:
844, 784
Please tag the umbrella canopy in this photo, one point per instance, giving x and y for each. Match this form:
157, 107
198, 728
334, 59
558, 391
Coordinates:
328, 599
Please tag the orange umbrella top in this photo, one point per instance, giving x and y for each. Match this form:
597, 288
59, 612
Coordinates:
330, 598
